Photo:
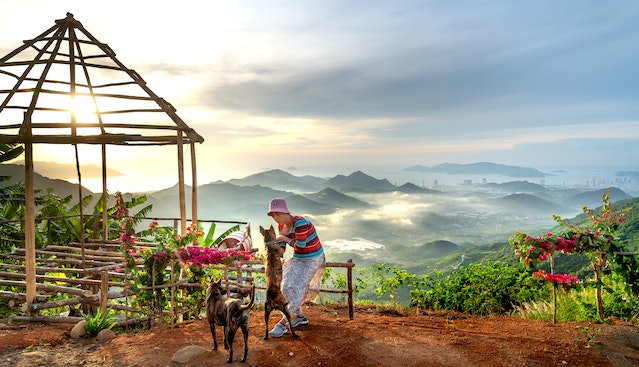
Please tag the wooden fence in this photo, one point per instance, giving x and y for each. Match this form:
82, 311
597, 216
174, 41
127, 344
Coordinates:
94, 274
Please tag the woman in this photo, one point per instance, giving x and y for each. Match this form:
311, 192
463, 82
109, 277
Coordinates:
302, 273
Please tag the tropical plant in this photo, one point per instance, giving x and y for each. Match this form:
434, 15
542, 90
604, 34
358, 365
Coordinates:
389, 280
10, 151
98, 322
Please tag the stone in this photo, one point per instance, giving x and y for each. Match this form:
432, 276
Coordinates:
105, 335
79, 330
188, 354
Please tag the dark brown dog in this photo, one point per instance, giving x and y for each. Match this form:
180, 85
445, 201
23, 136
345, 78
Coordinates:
275, 299
231, 313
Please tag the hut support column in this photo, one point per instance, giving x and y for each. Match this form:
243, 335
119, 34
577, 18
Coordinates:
29, 223
194, 188
180, 146
105, 200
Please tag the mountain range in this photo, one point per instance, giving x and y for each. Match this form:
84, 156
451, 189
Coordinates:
481, 168
408, 221
311, 194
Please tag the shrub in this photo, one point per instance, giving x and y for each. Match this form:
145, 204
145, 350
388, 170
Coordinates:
491, 288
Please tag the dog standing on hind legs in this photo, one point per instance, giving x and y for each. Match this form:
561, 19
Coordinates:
230, 313
275, 299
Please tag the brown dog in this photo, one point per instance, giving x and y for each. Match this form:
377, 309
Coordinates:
275, 299
231, 313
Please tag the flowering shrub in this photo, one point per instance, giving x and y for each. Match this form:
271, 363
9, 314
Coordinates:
597, 241
564, 280
181, 254
203, 256
127, 231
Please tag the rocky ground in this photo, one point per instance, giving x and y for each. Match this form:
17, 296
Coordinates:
373, 338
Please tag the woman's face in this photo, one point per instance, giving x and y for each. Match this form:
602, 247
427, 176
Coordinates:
279, 217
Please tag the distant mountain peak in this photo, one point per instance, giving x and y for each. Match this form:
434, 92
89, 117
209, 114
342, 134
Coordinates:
358, 181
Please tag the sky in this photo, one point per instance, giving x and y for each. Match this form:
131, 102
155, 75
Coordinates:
329, 87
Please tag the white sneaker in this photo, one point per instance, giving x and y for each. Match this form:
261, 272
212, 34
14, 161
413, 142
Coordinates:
278, 330
297, 321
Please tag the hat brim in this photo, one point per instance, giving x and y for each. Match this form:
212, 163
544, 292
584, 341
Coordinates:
270, 214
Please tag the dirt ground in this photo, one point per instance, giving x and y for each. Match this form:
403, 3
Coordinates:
374, 338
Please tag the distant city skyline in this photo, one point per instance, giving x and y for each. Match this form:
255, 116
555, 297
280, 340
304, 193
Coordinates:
331, 86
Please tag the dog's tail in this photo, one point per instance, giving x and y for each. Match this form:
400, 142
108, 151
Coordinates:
249, 305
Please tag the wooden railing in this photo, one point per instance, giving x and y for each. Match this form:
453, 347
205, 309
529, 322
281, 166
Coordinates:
98, 267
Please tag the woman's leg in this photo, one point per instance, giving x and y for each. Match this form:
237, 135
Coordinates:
297, 275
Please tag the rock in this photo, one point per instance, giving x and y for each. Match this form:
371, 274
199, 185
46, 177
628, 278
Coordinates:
188, 354
78, 330
105, 334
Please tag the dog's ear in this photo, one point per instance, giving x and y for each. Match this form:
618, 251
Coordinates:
262, 230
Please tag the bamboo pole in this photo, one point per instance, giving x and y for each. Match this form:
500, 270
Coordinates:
106, 253
47, 287
85, 300
172, 279
194, 186
180, 150
29, 230
83, 281
21, 296
84, 257
105, 200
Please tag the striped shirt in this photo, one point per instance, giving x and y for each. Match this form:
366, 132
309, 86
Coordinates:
304, 240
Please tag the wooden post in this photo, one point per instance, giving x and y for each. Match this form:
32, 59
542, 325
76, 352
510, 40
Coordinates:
29, 224
554, 292
598, 266
104, 291
105, 199
180, 146
349, 278
194, 187
226, 279
173, 312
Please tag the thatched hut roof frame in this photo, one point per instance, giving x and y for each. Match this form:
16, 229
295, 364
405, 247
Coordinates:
39, 83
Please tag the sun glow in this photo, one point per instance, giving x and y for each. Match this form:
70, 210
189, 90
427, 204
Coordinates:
83, 108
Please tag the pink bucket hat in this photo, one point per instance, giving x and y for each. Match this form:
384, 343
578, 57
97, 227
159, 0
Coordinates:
277, 206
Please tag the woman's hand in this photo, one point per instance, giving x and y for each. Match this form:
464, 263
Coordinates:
282, 238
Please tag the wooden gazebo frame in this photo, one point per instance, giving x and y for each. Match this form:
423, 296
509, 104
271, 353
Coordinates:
62, 66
